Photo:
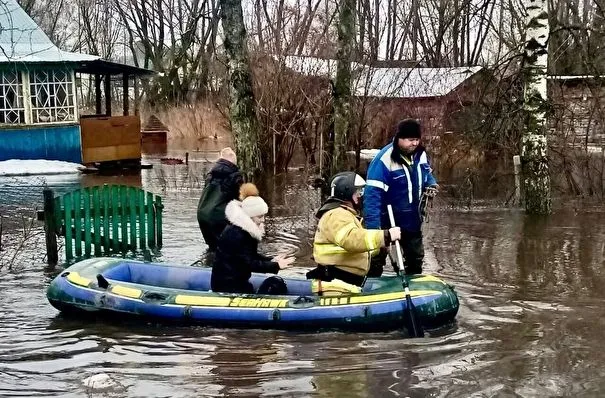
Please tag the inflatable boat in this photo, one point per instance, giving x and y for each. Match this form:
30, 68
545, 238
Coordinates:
164, 292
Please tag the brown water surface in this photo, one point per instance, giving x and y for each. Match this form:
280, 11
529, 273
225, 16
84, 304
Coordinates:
530, 324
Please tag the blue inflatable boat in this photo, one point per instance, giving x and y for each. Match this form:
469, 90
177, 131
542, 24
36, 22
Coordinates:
178, 293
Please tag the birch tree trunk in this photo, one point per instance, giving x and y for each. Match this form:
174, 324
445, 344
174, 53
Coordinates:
242, 114
342, 86
533, 151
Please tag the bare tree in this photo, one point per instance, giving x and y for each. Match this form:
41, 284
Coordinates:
293, 28
101, 32
173, 38
342, 85
534, 146
55, 18
242, 113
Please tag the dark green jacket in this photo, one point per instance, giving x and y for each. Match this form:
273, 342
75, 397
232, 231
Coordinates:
222, 186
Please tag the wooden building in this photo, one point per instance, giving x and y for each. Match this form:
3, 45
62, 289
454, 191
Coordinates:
39, 105
386, 94
578, 111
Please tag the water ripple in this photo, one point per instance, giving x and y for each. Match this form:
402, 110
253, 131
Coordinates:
530, 321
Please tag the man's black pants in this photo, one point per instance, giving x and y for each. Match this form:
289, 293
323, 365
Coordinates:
413, 255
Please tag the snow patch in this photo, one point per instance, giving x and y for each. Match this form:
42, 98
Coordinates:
16, 167
366, 154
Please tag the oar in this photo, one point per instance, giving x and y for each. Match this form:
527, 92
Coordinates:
416, 328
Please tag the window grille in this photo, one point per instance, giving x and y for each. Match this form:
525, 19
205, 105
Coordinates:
52, 96
12, 109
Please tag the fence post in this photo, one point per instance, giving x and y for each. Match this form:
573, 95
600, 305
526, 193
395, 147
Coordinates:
132, 204
67, 214
142, 221
50, 228
517, 171
96, 205
150, 221
158, 221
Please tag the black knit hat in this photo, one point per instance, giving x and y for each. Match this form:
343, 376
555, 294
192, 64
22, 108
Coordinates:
408, 128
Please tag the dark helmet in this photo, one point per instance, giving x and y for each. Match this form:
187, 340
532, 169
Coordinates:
345, 184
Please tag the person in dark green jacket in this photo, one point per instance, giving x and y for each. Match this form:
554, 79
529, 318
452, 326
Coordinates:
222, 186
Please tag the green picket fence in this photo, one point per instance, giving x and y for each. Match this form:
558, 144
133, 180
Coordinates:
102, 220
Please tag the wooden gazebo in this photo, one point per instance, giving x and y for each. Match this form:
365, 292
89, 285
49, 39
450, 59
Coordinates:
39, 109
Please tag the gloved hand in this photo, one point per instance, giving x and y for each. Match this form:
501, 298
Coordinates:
395, 233
432, 191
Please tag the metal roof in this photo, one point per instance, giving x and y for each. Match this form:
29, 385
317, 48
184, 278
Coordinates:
573, 77
412, 82
388, 82
23, 41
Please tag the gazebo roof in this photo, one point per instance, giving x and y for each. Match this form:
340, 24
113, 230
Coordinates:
23, 41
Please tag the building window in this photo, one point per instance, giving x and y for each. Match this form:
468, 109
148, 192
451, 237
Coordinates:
52, 96
12, 109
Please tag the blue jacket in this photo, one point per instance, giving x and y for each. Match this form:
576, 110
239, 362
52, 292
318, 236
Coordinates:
398, 184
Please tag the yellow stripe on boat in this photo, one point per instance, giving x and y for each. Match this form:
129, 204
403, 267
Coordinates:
74, 277
202, 300
126, 291
391, 296
427, 278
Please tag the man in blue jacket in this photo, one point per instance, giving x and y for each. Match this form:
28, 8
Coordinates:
398, 175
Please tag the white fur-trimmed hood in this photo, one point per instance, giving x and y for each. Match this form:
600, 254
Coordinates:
236, 216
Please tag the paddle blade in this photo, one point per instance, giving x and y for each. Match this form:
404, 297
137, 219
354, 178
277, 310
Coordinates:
415, 328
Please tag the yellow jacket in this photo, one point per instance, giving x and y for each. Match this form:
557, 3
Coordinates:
341, 240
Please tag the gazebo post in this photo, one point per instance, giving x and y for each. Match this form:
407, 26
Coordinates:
125, 92
97, 94
136, 95
108, 94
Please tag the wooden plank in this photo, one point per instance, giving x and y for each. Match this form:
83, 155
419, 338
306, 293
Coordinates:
106, 200
87, 222
150, 221
77, 205
103, 131
40, 141
96, 206
159, 208
132, 199
111, 153
68, 225
142, 221
115, 217
124, 218
59, 215
110, 138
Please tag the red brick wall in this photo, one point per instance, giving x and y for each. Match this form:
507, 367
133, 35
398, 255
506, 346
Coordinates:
381, 117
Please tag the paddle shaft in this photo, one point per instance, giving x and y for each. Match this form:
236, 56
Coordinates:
416, 331
397, 247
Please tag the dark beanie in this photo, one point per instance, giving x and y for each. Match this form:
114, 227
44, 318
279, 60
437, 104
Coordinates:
408, 128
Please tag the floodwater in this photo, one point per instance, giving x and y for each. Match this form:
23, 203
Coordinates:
530, 324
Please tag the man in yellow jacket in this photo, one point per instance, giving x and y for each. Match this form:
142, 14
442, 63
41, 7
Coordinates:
342, 248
